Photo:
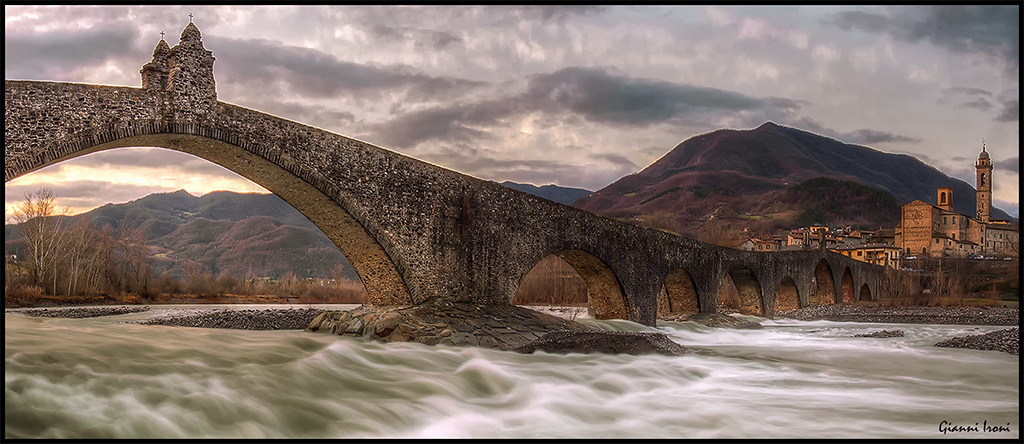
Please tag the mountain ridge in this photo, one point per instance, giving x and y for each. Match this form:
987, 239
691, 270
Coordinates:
760, 163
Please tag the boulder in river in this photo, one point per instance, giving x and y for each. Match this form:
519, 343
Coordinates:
611, 342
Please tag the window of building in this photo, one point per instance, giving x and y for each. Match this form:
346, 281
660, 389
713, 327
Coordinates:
860, 253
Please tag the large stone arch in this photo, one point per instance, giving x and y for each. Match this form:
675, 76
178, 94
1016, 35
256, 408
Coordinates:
749, 289
605, 296
847, 286
824, 291
788, 297
679, 294
370, 259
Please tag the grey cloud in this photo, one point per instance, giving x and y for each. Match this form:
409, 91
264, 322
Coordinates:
991, 29
616, 159
134, 158
980, 104
606, 98
848, 20
872, 136
1011, 165
977, 98
313, 73
861, 136
315, 115
591, 93
55, 55
551, 12
445, 124
167, 159
84, 193
423, 38
967, 90
1011, 208
528, 171
1010, 112
964, 174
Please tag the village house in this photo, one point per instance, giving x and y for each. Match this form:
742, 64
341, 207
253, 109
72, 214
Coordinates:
878, 254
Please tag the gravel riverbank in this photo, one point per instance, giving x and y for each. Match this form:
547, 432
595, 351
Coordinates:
906, 315
80, 312
1003, 340
245, 319
1007, 340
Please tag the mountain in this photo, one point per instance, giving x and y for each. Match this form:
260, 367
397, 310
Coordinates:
562, 195
245, 234
748, 171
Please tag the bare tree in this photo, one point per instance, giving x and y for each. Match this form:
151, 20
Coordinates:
80, 248
897, 286
721, 236
44, 234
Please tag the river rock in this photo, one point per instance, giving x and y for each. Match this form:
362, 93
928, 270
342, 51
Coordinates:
1007, 340
717, 320
447, 323
81, 312
611, 342
881, 334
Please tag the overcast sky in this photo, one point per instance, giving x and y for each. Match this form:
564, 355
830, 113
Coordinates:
569, 95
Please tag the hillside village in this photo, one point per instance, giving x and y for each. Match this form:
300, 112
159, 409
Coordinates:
924, 231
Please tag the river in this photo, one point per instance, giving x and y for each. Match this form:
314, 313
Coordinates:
105, 378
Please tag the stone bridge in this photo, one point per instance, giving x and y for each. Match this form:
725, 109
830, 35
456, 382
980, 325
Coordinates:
412, 230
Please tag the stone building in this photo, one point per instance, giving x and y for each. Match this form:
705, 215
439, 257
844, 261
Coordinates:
877, 253
939, 231
761, 244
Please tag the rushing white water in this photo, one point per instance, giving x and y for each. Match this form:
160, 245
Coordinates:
103, 378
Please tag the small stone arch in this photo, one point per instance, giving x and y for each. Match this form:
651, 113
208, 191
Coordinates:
749, 289
679, 294
847, 286
605, 296
865, 294
824, 291
787, 298
553, 282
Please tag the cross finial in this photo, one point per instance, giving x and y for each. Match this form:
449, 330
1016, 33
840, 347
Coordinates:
190, 17
983, 144
161, 35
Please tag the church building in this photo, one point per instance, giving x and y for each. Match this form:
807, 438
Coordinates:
939, 231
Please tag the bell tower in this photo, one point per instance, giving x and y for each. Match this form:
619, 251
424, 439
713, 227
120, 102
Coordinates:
984, 171
945, 198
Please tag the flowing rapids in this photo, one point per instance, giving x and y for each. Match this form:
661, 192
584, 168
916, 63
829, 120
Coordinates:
105, 378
